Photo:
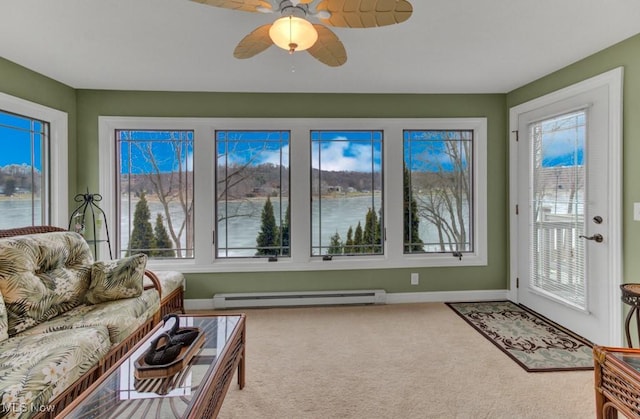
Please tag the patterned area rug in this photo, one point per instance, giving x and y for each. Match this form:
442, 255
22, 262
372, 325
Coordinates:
534, 342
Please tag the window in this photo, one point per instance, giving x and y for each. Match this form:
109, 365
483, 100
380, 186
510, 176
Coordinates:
308, 194
33, 164
558, 198
346, 193
155, 192
252, 194
21, 168
437, 191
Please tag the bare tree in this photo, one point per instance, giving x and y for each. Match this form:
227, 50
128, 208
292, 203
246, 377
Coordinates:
445, 193
171, 187
238, 181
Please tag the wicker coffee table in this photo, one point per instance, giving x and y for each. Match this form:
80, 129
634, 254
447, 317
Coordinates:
617, 381
195, 392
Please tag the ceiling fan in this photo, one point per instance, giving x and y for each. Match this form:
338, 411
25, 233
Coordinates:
293, 31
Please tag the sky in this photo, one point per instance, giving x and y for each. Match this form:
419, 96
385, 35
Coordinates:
257, 147
356, 151
562, 145
15, 141
563, 139
427, 150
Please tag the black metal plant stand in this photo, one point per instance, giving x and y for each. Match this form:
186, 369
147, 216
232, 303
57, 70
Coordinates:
78, 220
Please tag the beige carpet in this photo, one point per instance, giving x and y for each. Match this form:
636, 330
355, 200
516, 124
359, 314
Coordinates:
391, 361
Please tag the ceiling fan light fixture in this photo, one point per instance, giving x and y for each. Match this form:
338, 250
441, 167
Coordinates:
293, 33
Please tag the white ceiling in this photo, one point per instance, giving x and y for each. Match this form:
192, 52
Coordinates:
447, 46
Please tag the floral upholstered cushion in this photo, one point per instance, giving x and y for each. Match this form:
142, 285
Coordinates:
120, 317
42, 275
169, 281
117, 279
4, 325
35, 369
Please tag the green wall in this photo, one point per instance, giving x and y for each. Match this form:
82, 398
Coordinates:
84, 106
624, 54
26, 84
94, 103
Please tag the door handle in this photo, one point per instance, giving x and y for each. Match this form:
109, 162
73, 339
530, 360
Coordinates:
596, 237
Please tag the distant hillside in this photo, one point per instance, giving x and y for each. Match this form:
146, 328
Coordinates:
261, 180
345, 181
17, 178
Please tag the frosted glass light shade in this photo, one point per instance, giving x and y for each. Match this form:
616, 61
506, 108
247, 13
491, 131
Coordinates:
293, 33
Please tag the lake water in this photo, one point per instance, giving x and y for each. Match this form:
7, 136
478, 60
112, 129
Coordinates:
240, 229
238, 232
17, 213
338, 215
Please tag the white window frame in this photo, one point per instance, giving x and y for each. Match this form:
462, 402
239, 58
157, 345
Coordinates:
314, 229
300, 162
56, 194
279, 221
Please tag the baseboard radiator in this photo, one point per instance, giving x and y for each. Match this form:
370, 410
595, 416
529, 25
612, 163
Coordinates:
283, 299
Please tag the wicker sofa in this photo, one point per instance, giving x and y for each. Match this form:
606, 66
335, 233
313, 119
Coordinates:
65, 318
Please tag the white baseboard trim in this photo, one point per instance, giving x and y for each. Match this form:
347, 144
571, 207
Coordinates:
397, 298
446, 296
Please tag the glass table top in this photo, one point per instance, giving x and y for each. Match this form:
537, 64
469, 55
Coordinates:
629, 358
121, 395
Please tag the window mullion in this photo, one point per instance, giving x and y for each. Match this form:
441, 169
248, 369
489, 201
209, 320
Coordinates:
300, 193
390, 203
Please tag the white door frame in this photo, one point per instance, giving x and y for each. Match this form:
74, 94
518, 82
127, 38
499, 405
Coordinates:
612, 79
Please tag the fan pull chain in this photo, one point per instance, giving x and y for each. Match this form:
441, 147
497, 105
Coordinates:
292, 45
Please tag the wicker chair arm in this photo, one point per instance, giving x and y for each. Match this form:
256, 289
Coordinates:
21, 231
155, 280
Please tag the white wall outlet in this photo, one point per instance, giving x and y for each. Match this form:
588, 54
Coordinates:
636, 211
415, 278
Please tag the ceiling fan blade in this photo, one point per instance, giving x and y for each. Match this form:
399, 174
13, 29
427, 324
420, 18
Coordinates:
365, 13
243, 5
328, 49
254, 43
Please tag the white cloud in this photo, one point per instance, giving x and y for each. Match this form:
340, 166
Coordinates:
345, 155
557, 147
273, 157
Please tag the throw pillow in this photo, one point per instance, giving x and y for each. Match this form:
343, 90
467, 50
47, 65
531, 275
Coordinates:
117, 279
42, 276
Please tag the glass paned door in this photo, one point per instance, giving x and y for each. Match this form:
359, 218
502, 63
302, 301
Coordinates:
558, 201
565, 159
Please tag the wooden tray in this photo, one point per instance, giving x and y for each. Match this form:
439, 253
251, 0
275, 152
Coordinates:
161, 386
144, 370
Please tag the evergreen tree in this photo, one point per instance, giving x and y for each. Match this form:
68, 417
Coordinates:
348, 244
142, 240
357, 239
286, 232
335, 248
371, 235
379, 233
412, 241
164, 245
268, 237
